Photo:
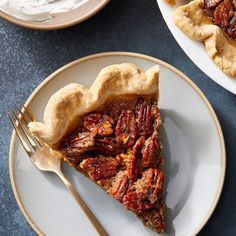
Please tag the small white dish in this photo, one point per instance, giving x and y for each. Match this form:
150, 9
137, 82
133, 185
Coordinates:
195, 50
194, 155
63, 19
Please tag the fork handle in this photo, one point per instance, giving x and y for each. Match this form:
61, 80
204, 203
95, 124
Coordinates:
101, 231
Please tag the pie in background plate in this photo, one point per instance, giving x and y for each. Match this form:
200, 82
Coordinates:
110, 133
214, 23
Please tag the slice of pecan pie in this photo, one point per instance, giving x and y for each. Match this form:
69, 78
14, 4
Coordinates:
110, 132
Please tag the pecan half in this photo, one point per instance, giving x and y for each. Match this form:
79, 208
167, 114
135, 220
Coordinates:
144, 117
150, 184
119, 185
136, 202
108, 146
102, 124
126, 129
150, 151
100, 167
223, 12
143, 194
135, 159
158, 185
77, 144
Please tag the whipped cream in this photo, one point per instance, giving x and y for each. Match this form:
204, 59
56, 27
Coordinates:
38, 10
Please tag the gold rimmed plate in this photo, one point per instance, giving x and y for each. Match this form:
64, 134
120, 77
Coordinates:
194, 153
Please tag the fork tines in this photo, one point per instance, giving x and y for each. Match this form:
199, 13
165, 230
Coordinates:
23, 117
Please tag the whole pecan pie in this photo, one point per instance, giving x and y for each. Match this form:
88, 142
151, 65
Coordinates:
212, 22
110, 133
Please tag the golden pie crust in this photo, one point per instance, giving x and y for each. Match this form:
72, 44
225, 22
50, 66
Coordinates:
65, 107
192, 20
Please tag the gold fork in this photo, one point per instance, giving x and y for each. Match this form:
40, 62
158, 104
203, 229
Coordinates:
47, 159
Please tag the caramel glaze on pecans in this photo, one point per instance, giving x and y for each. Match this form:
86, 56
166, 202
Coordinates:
118, 147
223, 14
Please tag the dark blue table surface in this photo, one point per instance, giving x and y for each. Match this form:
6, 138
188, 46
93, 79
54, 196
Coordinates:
27, 57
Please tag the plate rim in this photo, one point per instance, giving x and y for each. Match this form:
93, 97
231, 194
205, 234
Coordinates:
29, 25
136, 55
200, 67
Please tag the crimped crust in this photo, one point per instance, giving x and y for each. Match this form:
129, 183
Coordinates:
66, 106
191, 19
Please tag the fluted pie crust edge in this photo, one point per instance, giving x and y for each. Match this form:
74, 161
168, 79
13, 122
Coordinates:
67, 105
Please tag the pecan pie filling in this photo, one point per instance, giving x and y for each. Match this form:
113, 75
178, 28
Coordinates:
118, 147
223, 14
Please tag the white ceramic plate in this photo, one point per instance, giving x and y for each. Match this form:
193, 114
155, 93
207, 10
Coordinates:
194, 160
195, 50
